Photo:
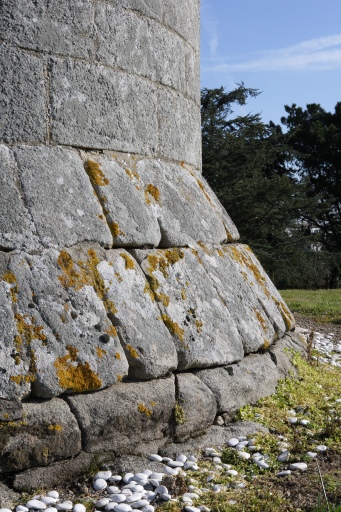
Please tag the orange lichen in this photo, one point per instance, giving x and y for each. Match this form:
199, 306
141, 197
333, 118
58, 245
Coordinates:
244, 260
10, 278
151, 191
117, 275
196, 254
261, 320
100, 352
115, 229
118, 355
266, 344
119, 378
78, 377
183, 294
132, 174
55, 428
203, 247
148, 290
182, 163
162, 297
199, 324
202, 187
112, 331
134, 354
29, 330
144, 410
173, 327
129, 262
95, 173
163, 259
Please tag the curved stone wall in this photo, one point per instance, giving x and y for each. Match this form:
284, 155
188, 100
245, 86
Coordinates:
125, 297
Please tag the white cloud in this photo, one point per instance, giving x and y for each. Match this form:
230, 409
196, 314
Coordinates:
210, 27
323, 53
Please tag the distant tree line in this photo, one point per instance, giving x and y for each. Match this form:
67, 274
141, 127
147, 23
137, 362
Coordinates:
281, 187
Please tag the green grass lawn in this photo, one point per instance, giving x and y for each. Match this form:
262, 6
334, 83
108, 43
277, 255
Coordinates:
320, 305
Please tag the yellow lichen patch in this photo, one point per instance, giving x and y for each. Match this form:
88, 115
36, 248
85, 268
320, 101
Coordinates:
144, 410
201, 185
119, 378
261, 320
132, 174
266, 344
183, 294
28, 329
112, 331
164, 259
17, 360
196, 254
204, 248
118, 355
220, 253
162, 297
95, 173
10, 278
71, 278
242, 259
100, 352
115, 229
21, 379
132, 351
153, 404
55, 428
174, 328
147, 289
78, 377
151, 192
199, 324
286, 315
182, 163
129, 262
118, 276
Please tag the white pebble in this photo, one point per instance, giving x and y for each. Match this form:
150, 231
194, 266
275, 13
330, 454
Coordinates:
216, 488
128, 477
156, 476
170, 471
298, 465
190, 508
51, 509
187, 500
148, 508
194, 459
100, 484
182, 458
155, 457
118, 498
244, 455
122, 507
53, 494
110, 506
36, 504
112, 489
115, 478
5, 510
304, 422
140, 476
64, 505
150, 495
161, 489
284, 473
292, 420
140, 504
79, 507
312, 455
190, 495
232, 472
136, 496
165, 496
103, 474
21, 508
261, 464
284, 456
48, 500
189, 464
202, 508
321, 448
175, 464
102, 502
233, 441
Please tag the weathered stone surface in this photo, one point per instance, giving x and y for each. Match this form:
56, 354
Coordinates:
96, 107
17, 230
198, 406
48, 433
56, 474
281, 356
150, 8
214, 436
184, 18
126, 415
63, 28
149, 347
59, 334
242, 383
141, 45
203, 329
152, 202
8, 497
10, 410
179, 122
60, 197
133, 464
255, 306
132, 221
22, 97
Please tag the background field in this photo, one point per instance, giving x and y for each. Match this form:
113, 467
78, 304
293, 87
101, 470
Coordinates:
320, 305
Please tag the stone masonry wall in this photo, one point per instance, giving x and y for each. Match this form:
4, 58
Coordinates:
126, 300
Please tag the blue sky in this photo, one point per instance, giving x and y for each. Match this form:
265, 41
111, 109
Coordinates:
288, 49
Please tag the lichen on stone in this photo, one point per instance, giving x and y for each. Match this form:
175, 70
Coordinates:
151, 192
95, 173
144, 410
129, 262
174, 328
76, 377
133, 353
10, 279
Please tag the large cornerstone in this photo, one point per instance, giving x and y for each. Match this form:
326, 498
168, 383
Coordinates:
126, 301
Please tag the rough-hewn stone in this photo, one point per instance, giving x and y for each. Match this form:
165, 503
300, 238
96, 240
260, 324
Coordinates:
56, 474
10, 410
202, 327
8, 497
132, 463
48, 433
63, 28
17, 230
214, 436
96, 107
60, 197
125, 416
243, 383
196, 406
23, 116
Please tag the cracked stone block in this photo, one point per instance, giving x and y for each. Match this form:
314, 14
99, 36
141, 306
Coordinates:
203, 329
125, 416
197, 404
58, 27
96, 107
22, 96
60, 198
17, 230
47, 433
236, 385
148, 346
153, 202
59, 332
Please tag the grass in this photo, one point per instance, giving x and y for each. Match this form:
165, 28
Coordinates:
312, 393
320, 305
